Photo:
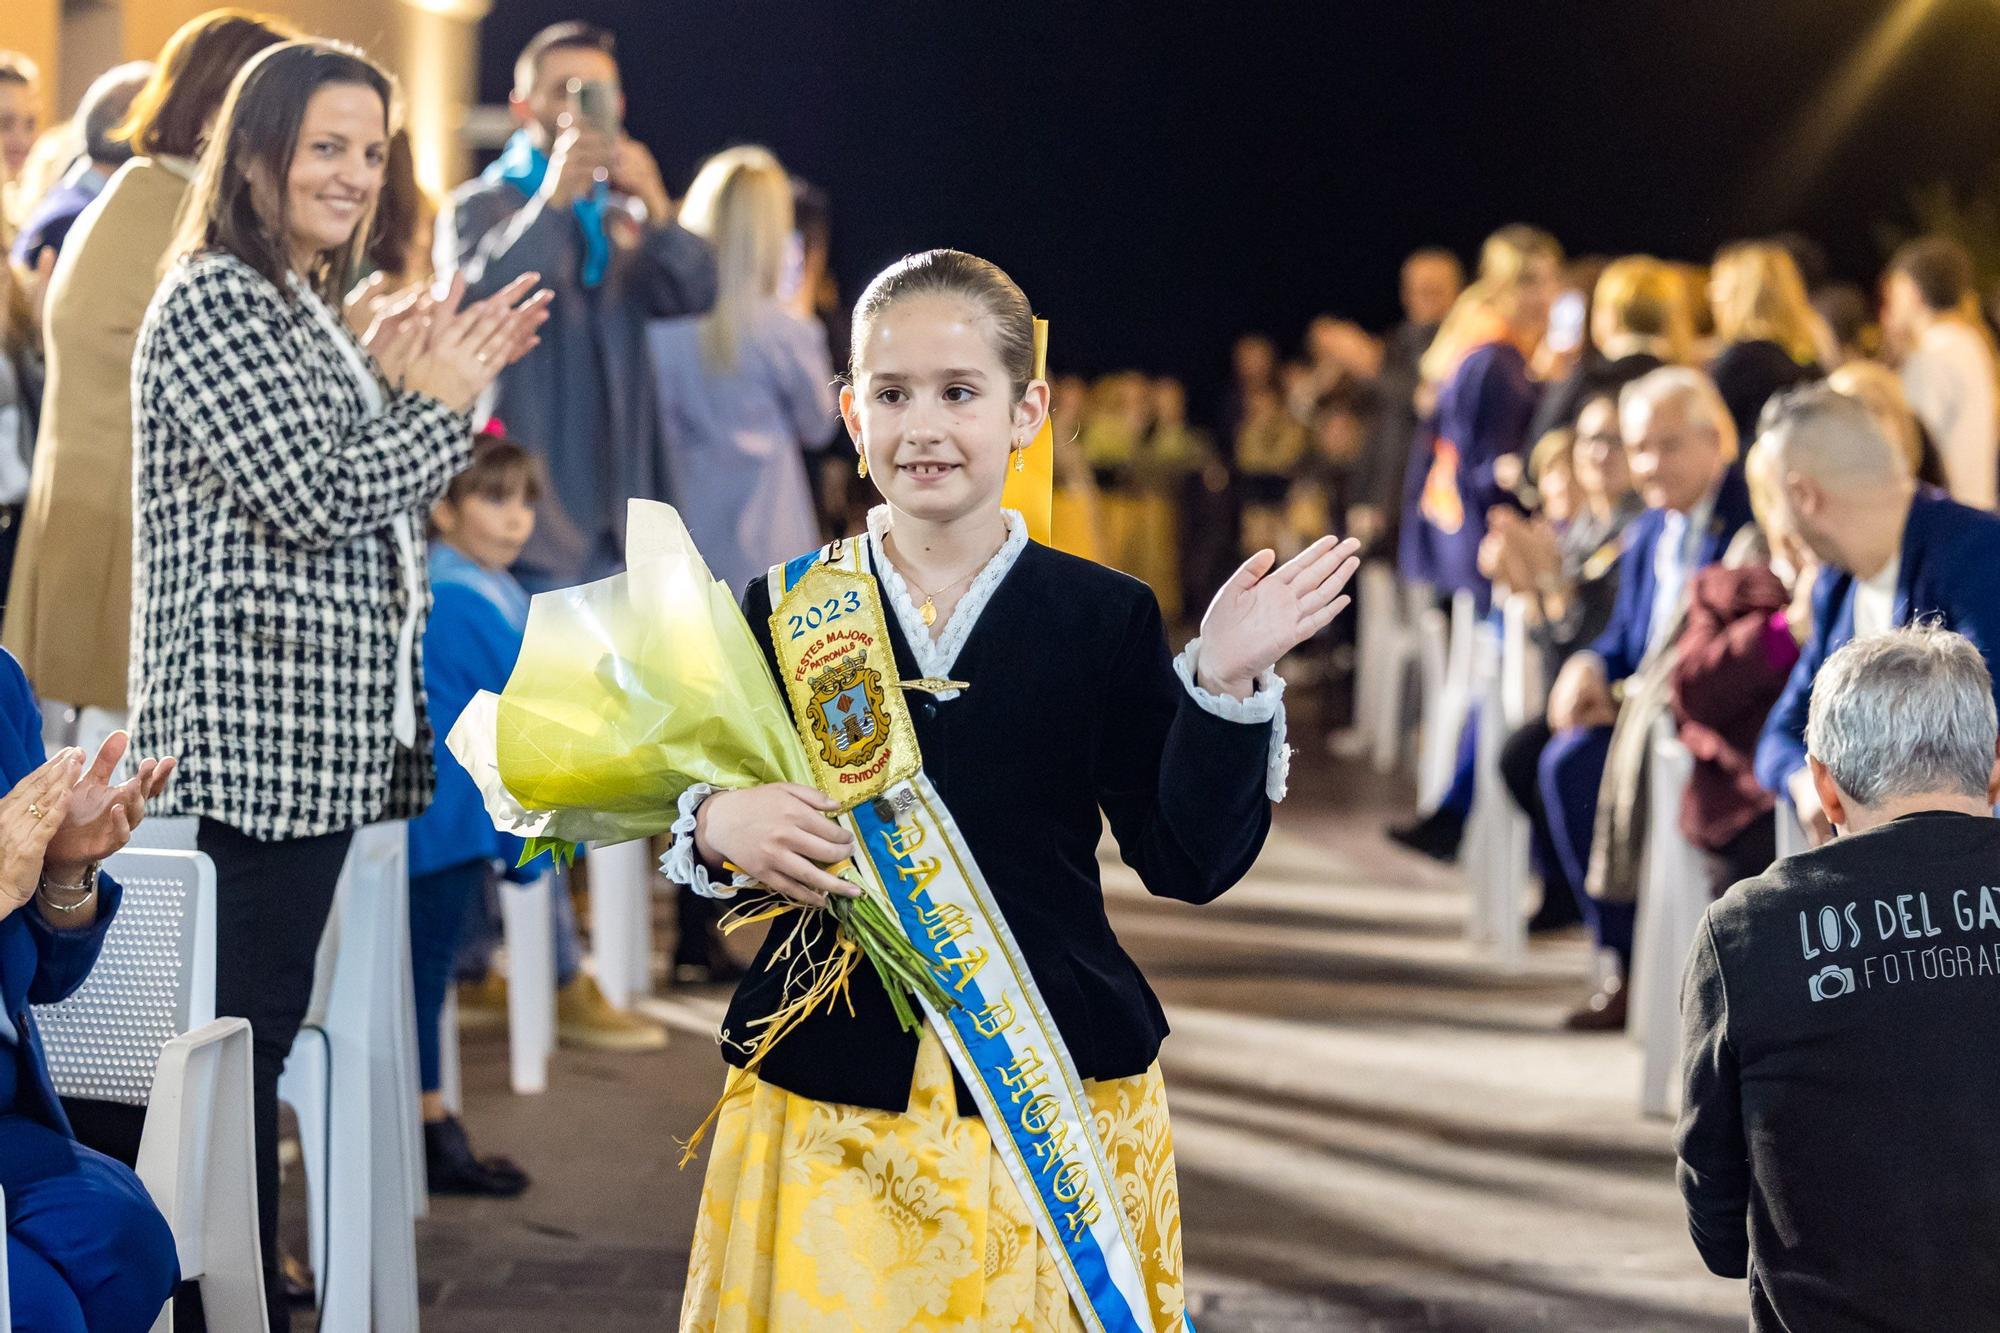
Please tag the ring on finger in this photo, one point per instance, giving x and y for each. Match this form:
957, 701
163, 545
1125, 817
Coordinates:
35, 811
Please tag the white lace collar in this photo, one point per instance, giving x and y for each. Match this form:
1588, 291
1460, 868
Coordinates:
937, 656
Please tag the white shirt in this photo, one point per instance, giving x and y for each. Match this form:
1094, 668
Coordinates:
1875, 600
1674, 564
1949, 379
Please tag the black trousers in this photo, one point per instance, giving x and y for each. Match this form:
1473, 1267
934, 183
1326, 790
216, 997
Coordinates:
272, 900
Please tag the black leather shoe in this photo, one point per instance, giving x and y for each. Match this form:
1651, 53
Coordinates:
1436, 835
451, 1168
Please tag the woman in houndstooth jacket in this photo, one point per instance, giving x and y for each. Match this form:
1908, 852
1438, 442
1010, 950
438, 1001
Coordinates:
279, 584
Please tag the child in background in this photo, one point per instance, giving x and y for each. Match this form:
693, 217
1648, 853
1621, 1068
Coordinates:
478, 614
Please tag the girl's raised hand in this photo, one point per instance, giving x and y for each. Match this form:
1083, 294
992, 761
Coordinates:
1261, 613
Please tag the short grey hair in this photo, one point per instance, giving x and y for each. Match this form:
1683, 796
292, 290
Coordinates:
1829, 436
1686, 388
1906, 713
104, 105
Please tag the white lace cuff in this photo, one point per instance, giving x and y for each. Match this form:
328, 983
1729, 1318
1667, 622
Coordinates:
681, 865
1267, 704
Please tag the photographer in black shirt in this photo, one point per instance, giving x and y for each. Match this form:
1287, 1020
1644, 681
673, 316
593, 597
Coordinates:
1842, 1013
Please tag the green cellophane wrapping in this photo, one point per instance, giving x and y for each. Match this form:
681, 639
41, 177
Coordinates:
627, 692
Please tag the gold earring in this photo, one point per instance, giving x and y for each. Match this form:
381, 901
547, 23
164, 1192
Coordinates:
1020, 458
861, 467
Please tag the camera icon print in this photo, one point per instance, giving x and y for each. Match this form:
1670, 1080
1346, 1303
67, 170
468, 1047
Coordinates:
1830, 982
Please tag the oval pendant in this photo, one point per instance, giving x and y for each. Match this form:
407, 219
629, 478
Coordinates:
929, 612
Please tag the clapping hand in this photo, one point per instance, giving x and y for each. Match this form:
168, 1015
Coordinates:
1261, 613
392, 325
465, 349
30, 816
101, 817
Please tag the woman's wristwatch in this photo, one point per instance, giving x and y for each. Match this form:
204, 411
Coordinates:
69, 897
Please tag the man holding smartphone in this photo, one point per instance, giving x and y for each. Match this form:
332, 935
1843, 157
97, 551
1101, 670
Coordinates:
576, 199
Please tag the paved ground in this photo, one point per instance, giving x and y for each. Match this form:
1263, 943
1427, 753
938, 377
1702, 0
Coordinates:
1375, 1130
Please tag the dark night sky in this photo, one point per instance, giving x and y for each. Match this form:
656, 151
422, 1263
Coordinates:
1159, 177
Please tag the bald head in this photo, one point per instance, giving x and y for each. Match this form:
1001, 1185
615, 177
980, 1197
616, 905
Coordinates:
1831, 478
1818, 433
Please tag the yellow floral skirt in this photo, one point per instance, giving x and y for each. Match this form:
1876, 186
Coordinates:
843, 1219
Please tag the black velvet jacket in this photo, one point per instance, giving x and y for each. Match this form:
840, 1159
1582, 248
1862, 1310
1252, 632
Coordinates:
1073, 707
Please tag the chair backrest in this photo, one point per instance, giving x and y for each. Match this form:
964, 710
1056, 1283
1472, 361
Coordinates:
154, 980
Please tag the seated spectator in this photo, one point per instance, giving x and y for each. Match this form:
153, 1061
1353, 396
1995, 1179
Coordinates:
1890, 555
1876, 387
1637, 324
1840, 1011
1768, 332
1681, 441
104, 105
86, 1247
1946, 360
1567, 562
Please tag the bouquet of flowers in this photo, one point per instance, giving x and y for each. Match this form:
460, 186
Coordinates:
627, 692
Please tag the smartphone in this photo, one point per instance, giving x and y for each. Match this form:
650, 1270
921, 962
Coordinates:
1565, 333
596, 102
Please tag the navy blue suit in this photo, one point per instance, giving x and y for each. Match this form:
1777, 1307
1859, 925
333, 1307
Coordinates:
86, 1247
1950, 570
1572, 764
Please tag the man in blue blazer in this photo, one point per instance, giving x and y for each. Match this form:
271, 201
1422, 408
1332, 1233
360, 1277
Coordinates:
1890, 554
1681, 444
86, 1247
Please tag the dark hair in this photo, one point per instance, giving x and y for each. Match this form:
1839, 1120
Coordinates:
259, 129
1940, 268
571, 36
1346, 396
1845, 309
398, 210
191, 78
955, 273
500, 468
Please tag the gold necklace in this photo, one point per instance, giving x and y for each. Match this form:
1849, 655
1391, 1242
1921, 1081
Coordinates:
929, 608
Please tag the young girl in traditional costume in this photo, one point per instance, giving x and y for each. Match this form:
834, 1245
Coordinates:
1009, 1166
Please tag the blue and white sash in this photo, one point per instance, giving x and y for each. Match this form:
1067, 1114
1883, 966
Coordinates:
1003, 1041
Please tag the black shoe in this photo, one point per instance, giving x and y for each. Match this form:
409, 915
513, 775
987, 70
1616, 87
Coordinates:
450, 1167
1557, 912
1436, 835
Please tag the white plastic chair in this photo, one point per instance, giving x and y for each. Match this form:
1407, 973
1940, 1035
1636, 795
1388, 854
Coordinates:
197, 1160
1672, 898
1791, 833
1496, 850
352, 1079
531, 997
621, 920
1386, 652
141, 1030
1447, 654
